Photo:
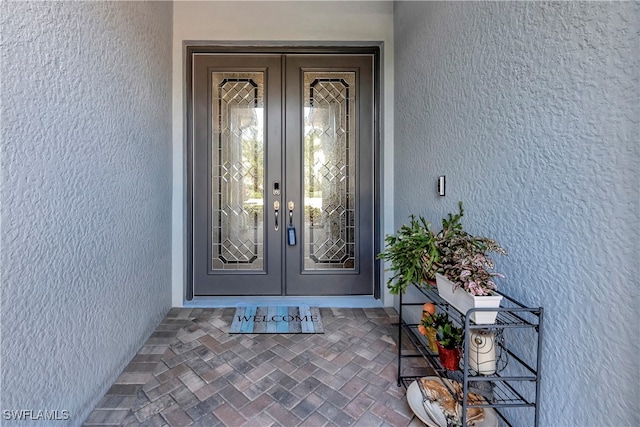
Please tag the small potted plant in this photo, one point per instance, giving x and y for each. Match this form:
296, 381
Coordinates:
449, 341
408, 252
428, 325
464, 263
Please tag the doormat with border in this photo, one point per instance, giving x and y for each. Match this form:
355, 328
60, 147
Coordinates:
277, 320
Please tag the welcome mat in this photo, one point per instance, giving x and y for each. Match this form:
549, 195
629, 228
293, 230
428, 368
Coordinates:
277, 320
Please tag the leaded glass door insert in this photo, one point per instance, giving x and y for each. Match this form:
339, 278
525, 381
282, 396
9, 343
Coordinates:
330, 174
237, 178
281, 142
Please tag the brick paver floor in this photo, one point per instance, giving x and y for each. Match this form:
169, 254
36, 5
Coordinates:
192, 372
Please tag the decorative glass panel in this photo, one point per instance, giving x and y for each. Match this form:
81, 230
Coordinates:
329, 171
237, 171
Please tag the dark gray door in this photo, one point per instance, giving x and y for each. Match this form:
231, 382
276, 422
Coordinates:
283, 145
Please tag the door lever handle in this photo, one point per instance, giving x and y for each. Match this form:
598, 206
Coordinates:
291, 206
276, 210
291, 231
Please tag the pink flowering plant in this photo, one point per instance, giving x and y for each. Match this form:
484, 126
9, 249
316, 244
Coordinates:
464, 259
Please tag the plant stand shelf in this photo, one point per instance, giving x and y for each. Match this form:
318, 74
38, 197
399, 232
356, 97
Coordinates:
516, 384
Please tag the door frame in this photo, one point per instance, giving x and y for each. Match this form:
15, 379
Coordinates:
191, 48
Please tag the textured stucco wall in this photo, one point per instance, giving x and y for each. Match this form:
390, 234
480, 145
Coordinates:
531, 110
86, 196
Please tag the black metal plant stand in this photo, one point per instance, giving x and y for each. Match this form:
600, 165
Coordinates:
516, 382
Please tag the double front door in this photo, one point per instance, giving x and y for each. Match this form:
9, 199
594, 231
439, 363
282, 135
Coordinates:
283, 177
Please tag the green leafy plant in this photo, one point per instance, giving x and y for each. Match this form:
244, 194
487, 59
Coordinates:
412, 253
449, 336
416, 254
435, 320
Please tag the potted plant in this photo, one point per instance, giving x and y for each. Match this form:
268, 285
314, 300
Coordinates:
418, 255
449, 341
428, 325
464, 264
412, 253
429, 328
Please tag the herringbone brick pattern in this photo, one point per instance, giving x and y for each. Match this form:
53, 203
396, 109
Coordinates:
191, 372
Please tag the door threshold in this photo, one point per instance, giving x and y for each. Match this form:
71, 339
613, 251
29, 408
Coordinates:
359, 301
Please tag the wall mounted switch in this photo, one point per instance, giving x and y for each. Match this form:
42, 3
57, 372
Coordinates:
441, 181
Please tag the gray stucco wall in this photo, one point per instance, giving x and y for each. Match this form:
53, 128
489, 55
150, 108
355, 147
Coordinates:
86, 196
531, 110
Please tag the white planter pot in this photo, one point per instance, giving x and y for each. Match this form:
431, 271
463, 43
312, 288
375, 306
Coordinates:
463, 301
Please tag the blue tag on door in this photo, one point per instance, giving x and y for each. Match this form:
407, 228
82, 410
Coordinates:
291, 236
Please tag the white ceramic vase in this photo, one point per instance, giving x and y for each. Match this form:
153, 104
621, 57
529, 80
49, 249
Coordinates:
482, 351
463, 301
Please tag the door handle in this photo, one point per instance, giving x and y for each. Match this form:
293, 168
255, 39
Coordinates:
276, 210
291, 231
291, 206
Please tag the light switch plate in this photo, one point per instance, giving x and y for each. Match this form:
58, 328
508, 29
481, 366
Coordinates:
441, 189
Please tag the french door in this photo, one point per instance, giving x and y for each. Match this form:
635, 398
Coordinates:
282, 174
